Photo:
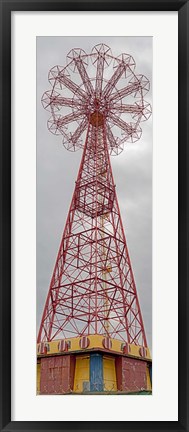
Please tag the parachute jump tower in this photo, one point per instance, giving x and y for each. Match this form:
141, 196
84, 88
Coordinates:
92, 334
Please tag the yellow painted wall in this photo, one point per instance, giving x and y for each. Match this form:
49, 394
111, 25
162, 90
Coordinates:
38, 377
81, 373
109, 374
149, 386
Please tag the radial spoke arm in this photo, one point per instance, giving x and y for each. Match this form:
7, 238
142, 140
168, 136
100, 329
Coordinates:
132, 109
62, 101
74, 88
99, 76
76, 135
110, 136
126, 91
120, 123
113, 80
68, 118
84, 76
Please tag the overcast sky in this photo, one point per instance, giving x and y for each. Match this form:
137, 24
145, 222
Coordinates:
57, 170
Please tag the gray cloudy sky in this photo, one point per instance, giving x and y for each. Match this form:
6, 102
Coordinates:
57, 170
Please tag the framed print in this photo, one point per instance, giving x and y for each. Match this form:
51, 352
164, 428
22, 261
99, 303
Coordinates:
79, 341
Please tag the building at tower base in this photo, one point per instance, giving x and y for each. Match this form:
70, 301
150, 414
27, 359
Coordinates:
93, 364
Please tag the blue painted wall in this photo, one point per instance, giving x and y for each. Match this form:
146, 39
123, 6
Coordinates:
96, 373
150, 369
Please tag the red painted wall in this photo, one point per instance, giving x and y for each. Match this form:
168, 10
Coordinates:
131, 374
57, 374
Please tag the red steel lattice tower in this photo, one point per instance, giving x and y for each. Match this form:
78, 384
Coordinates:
92, 290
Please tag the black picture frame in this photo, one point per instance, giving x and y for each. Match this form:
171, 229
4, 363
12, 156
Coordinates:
182, 6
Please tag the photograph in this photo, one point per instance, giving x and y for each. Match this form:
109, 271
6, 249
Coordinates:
94, 151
